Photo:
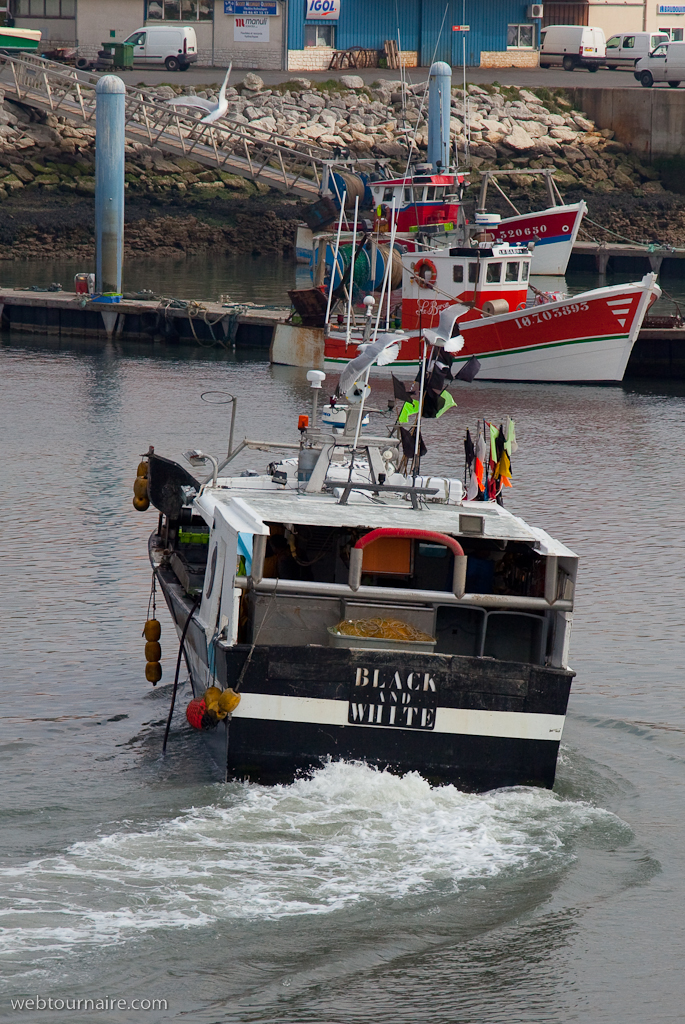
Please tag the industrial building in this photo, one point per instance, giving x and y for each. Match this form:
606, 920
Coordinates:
302, 35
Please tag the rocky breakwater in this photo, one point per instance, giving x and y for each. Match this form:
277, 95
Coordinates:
47, 164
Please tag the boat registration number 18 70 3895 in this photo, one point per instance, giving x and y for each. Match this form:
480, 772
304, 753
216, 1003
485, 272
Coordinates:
540, 316
386, 698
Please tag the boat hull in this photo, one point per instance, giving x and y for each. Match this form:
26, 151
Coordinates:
584, 339
554, 231
13, 40
587, 338
473, 722
485, 724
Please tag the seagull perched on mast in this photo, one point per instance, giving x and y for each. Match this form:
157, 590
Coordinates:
213, 110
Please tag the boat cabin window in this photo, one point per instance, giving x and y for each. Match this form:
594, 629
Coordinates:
408, 195
512, 272
457, 273
524, 271
493, 273
388, 195
473, 272
439, 191
424, 194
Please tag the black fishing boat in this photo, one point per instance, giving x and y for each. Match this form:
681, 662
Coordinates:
340, 605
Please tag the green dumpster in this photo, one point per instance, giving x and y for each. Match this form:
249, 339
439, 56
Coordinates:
122, 54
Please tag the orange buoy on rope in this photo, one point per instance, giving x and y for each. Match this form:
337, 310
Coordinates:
141, 498
153, 672
153, 651
152, 630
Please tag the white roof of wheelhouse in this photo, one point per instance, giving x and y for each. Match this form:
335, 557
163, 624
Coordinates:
368, 512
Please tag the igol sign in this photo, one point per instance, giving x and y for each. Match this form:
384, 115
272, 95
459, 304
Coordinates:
323, 9
403, 700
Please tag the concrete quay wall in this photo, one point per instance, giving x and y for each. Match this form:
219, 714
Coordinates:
650, 121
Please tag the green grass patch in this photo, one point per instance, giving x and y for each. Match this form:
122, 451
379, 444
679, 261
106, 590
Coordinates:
283, 87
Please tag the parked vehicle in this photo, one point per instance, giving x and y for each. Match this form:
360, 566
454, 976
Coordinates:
15, 40
572, 46
665, 64
625, 50
176, 48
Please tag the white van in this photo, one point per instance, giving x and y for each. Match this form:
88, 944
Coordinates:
665, 64
572, 46
626, 49
176, 48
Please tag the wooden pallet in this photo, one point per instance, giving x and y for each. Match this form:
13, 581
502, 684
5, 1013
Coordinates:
392, 54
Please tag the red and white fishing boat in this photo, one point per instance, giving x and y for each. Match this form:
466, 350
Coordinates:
481, 293
434, 201
429, 212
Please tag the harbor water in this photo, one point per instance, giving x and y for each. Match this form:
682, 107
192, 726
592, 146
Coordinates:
353, 896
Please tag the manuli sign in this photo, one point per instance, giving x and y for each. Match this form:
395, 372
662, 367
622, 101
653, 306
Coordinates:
328, 10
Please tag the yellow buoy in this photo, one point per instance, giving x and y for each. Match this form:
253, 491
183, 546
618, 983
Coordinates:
152, 630
153, 652
211, 696
141, 504
140, 487
229, 701
153, 672
142, 469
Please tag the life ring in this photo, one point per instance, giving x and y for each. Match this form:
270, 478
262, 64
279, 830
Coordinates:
426, 273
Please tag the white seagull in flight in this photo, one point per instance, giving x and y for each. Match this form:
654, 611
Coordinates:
213, 110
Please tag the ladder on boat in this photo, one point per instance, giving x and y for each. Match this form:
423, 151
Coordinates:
255, 153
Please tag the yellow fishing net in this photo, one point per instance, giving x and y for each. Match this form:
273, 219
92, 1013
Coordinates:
384, 629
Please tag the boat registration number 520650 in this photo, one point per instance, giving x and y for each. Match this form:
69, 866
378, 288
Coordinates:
402, 700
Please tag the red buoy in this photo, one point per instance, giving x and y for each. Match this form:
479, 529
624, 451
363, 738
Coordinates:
194, 712
199, 717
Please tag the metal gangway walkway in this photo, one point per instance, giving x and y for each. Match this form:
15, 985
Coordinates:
290, 165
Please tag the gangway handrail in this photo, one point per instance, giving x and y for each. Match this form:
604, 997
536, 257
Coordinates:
247, 151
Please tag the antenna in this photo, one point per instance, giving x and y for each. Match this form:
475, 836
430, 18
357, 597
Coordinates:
335, 259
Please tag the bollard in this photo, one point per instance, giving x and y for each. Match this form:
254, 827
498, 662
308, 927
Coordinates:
439, 98
109, 183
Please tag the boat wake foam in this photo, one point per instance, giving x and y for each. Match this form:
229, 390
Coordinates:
348, 834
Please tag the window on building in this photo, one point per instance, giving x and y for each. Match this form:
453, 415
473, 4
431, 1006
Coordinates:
520, 37
674, 34
45, 8
179, 10
457, 274
473, 272
512, 272
493, 274
319, 34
